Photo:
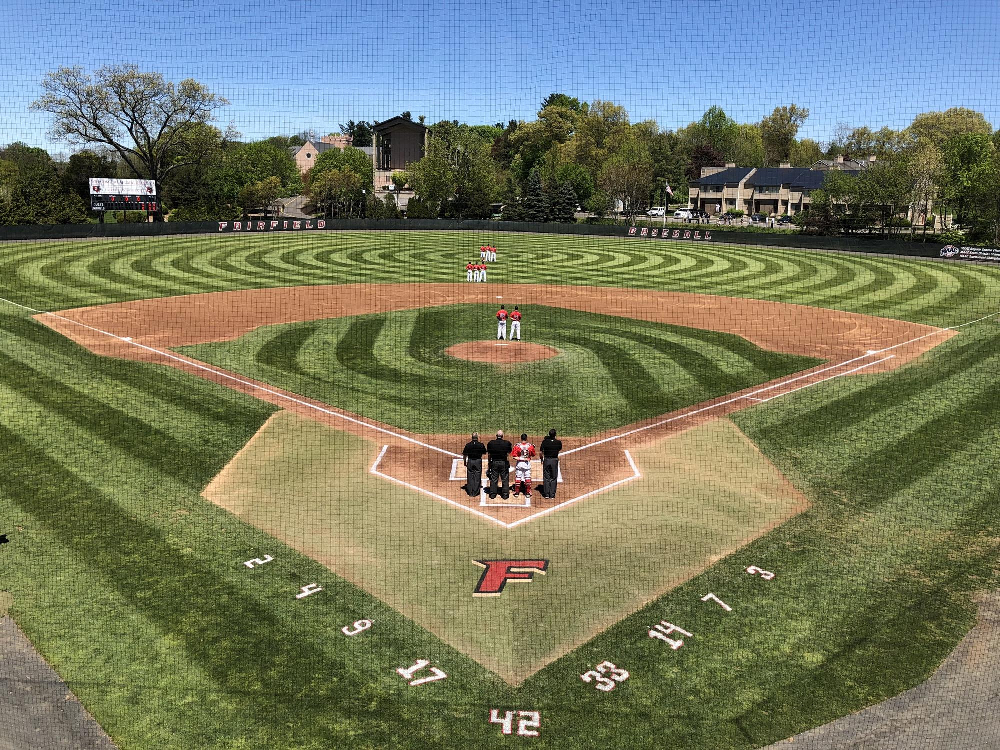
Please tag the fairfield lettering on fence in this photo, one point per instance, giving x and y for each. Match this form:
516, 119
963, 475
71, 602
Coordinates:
271, 225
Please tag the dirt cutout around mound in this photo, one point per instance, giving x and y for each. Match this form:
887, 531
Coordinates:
146, 330
504, 354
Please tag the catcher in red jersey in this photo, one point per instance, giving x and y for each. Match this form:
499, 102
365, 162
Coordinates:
523, 453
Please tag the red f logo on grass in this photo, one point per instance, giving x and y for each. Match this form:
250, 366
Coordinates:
498, 572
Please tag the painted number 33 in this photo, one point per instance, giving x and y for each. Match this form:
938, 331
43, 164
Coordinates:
606, 675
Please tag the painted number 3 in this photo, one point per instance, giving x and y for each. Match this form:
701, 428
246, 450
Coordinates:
606, 675
527, 725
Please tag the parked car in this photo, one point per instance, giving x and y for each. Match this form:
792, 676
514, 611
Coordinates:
786, 219
757, 217
657, 211
683, 213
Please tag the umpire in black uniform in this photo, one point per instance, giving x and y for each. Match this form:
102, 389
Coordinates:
472, 454
499, 471
550, 448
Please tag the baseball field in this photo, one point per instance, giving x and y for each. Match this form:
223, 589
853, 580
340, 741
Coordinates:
230, 477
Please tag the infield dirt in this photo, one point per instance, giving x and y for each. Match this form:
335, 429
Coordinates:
147, 329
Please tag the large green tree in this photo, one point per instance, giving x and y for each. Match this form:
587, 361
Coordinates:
31, 191
151, 123
940, 127
778, 131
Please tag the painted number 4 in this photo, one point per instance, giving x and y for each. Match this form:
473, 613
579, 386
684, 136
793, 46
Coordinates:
765, 574
407, 674
605, 683
527, 725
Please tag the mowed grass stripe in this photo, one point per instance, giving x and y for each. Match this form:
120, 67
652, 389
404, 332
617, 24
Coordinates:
257, 260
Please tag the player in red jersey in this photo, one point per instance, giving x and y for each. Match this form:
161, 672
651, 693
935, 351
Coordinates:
515, 324
470, 269
501, 323
523, 453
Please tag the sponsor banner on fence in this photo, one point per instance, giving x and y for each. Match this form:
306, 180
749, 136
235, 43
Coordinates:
271, 225
669, 234
965, 252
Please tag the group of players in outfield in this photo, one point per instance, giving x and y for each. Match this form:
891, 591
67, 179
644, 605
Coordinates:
500, 450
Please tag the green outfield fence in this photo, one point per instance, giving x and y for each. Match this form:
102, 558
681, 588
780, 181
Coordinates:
847, 244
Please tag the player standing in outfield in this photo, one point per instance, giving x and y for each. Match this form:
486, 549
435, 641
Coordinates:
515, 324
483, 254
482, 272
501, 323
491, 254
523, 453
470, 271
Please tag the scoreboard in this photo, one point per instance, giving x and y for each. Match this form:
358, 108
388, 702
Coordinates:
111, 194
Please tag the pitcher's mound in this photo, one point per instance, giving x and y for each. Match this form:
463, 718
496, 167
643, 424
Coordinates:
500, 352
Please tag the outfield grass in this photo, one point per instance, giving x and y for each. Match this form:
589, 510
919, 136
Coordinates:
131, 584
392, 367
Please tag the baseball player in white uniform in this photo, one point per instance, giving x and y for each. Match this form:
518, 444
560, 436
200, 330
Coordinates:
522, 454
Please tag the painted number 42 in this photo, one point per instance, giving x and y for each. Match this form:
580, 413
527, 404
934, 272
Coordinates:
605, 683
527, 725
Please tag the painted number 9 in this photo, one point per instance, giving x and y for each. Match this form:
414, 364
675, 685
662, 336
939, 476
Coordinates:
360, 626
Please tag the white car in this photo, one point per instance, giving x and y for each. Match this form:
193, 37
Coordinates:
657, 211
683, 213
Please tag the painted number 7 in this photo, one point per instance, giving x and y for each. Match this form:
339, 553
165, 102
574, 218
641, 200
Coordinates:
407, 674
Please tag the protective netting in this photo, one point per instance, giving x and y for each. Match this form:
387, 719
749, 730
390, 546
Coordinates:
453, 375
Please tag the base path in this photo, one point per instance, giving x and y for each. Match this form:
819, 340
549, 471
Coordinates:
147, 329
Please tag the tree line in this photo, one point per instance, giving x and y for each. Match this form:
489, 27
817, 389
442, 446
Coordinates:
573, 155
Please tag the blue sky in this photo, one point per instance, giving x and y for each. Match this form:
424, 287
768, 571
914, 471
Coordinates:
288, 65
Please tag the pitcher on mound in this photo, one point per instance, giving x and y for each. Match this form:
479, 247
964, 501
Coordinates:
523, 453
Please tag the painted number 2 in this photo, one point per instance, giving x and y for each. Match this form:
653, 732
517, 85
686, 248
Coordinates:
407, 674
765, 574
527, 725
605, 683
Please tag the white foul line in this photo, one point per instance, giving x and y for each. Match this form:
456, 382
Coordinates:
635, 475
374, 470
838, 375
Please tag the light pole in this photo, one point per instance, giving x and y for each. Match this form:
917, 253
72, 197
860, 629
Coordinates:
665, 183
